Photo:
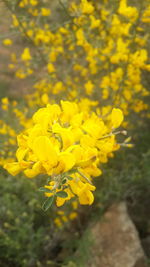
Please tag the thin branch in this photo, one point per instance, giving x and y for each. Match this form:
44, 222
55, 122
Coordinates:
84, 177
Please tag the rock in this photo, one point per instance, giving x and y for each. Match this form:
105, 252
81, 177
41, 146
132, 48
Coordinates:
115, 241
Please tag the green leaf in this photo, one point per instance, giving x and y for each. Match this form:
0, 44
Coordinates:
46, 190
69, 177
49, 179
47, 204
64, 181
62, 194
72, 171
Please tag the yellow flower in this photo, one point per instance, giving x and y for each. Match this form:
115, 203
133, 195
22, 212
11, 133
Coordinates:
86, 7
51, 68
13, 168
73, 215
66, 162
5, 101
45, 11
68, 106
44, 150
34, 171
89, 87
26, 55
21, 152
7, 42
67, 144
65, 135
128, 11
95, 127
58, 222
45, 99
95, 23
84, 193
33, 2
60, 201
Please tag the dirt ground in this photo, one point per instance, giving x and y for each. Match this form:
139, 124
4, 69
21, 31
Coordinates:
9, 83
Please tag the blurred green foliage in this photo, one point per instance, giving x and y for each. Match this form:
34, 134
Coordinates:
128, 174
4, 88
24, 230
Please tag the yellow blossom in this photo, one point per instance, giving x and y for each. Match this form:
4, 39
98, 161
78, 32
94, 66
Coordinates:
26, 55
7, 42
116, 118
45, 11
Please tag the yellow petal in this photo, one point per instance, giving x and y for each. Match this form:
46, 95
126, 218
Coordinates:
36, 131
21, 153
116, 117
13, 168
68, 160
44, 150
36, 169
69, 110
42, 117
60, 201
86, 198
89, 156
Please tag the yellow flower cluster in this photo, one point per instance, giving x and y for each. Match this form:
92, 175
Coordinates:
68, 145
9, 128
100, 50
7, 144
65, 216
